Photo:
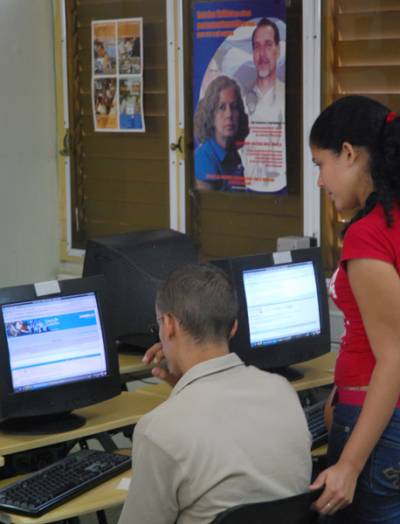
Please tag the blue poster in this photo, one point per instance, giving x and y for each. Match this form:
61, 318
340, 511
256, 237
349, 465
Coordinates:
239, 52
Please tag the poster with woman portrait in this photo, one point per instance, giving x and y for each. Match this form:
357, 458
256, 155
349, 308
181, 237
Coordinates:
117, 75
239, 125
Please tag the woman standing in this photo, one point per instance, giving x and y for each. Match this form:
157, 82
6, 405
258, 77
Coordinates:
355, 142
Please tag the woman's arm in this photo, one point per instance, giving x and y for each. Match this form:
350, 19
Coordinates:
376, 288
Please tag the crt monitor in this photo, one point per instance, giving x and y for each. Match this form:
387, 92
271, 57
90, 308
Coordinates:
134, 265
283, 308
56, 355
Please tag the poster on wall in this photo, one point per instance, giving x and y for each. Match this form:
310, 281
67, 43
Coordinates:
239, 63
117, 75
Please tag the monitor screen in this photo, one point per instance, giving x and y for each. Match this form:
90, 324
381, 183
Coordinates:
54, 341
281, 303
283, 308
56, 354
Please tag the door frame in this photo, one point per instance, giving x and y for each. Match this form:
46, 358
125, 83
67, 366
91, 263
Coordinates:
311, 109
176, 115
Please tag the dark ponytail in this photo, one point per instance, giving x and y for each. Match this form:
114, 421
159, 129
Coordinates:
366, 123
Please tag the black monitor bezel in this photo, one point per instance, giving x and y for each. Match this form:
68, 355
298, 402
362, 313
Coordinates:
58, 398
284, 353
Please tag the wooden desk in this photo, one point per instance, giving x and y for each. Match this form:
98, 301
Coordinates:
118, 412
317, 372
131, 367
162, 390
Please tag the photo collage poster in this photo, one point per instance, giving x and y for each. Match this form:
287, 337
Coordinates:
239, 64
117, 75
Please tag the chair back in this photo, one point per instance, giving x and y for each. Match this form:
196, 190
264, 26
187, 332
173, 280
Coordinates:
292, 510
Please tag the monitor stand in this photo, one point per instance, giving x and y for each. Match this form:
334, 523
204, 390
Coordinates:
43, 424
289, 373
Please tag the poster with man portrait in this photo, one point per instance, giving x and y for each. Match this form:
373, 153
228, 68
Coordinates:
117, 75
239, 52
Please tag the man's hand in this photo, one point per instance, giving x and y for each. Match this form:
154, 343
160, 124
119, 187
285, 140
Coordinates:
154, 356
340, 483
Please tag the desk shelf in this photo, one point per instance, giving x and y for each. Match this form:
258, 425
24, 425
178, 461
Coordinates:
118, 412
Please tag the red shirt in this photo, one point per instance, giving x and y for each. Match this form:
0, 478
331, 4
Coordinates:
369, 237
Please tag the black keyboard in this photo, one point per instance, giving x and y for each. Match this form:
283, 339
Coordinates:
316, 423
63, 480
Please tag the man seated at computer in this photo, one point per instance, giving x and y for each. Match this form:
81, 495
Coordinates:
228, 434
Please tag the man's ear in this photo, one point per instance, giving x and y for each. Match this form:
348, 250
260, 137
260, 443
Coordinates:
170, 325
234, 329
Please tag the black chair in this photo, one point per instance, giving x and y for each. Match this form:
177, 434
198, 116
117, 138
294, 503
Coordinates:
292, 510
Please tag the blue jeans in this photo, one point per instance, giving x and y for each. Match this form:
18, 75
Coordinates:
377, 496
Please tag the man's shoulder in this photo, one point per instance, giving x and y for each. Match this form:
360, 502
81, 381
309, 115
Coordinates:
169, 427
267, 376
154, 417
270, 381
162, 421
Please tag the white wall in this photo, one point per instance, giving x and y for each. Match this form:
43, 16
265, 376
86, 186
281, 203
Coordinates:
28, 174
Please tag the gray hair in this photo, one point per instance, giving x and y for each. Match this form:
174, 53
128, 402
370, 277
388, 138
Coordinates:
203, 299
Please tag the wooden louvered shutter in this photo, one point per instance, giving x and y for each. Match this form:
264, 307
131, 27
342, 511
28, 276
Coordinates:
119, 181
360, 56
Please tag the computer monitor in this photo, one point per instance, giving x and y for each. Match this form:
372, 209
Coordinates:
283, 308
56, 355
134, 264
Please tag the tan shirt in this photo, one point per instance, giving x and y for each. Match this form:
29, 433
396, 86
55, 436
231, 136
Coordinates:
228, 434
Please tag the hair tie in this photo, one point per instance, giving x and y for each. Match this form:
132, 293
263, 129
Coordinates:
390, 117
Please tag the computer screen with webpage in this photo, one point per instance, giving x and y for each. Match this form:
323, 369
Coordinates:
57, 355
282, 303
54, 341
283, 316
